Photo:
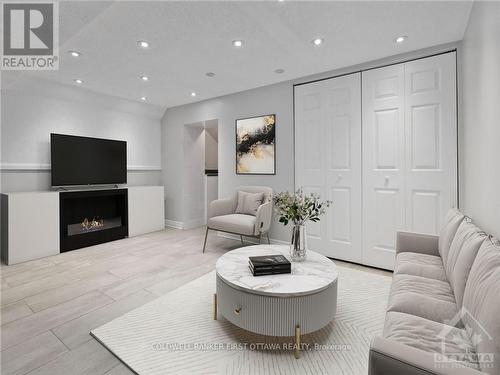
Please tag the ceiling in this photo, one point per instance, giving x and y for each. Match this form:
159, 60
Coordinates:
189, 39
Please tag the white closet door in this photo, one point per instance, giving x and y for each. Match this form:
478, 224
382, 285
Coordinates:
431, 141
328, 161
383, 163
409, 152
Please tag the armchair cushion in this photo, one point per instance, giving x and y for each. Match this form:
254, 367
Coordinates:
233, 223
221, 207
248, 203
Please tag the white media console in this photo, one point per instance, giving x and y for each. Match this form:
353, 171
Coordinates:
30, 221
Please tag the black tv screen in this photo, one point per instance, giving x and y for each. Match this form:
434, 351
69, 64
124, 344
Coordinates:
87, 161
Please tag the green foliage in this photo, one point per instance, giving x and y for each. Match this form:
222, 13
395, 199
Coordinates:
299, 207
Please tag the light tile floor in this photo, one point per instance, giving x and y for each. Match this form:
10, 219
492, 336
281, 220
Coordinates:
48, 306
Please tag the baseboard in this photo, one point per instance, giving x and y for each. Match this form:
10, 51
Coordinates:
196, 223
174, 224
252, 239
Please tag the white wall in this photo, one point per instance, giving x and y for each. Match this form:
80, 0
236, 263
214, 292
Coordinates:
34, 108
193, 185
480, 138
277, 99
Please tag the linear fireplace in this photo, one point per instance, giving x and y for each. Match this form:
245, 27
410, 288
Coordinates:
92, 217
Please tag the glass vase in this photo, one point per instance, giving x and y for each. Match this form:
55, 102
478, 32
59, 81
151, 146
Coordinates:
298, 245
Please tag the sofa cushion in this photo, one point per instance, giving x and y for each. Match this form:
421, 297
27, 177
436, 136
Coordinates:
234, 223
463, 251
430, 336
248, 203
417, 264
481, 312
452, 221
437, 289
424, 306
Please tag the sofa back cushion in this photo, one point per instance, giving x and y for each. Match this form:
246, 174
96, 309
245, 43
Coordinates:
450, 226
248, 203
463, 251
481, 302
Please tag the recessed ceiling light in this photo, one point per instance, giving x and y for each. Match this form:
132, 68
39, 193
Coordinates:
143, 44
210, 74
237, 43
78, 80
193, 94
74, 53
144, 78
317, 41
401, 39
144, 99
279, 71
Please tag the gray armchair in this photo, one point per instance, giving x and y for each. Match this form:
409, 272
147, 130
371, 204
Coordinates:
222, 215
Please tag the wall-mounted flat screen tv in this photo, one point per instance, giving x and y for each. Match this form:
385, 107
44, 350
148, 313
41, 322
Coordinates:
87, 161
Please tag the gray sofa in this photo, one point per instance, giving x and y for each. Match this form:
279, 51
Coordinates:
443, 314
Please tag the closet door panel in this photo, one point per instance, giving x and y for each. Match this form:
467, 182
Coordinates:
409, 152
431, 141
383, 164
309, 146
343, 168
338, 178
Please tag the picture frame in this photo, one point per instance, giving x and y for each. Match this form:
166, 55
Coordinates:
256, 145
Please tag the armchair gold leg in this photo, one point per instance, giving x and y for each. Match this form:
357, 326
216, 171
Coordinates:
297, 342
205, 242
215, 306
268, 241
241, 238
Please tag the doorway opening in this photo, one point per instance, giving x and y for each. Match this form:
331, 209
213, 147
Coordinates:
201, 169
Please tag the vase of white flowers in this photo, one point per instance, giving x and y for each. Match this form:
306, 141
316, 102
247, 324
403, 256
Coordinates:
299, 208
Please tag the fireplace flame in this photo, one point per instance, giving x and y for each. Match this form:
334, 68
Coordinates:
92, 224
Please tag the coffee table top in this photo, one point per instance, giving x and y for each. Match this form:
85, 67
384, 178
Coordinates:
314, 274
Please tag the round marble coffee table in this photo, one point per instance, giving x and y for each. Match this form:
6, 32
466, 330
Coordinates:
276, 305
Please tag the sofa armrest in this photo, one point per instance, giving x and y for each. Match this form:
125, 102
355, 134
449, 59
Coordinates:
390, 357
417, 243
220, 207
263, 218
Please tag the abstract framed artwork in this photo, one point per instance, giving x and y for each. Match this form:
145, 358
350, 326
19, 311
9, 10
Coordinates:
256, 145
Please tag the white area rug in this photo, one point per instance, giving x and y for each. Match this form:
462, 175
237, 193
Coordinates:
175, 334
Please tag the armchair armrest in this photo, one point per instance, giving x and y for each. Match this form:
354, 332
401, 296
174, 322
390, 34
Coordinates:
263, 218
390, 357
417, 243
220, 207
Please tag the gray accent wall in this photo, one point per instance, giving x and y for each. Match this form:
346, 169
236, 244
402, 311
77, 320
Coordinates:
480, 138
33, 108
277, 99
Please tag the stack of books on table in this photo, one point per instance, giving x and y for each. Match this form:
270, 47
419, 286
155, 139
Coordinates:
269, 265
